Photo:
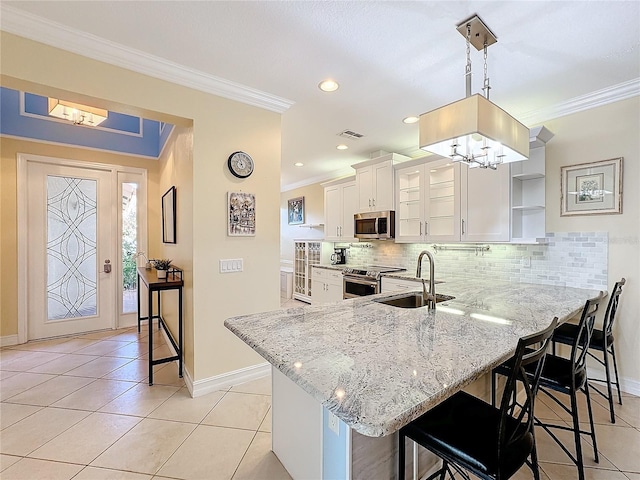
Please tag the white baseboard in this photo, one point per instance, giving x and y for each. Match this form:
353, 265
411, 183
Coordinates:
8, 340
228, 379
627, 385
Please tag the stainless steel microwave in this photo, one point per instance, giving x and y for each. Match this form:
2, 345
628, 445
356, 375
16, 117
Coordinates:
375, 225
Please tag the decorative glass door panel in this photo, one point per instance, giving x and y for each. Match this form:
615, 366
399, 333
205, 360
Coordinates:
71, 247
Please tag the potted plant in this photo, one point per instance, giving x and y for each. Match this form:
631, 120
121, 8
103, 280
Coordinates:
161, 265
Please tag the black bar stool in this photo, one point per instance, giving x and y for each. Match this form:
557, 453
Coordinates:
568, 376
469, 434
602, 341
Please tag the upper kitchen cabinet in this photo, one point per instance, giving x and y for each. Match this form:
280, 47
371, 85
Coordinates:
374, 182
340, 204
528, 191
428, 201
485, 204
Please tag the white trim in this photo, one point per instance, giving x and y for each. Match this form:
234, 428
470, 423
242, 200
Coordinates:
8, 340
627, 385
21, 219
325, 177
42, 30
68, 145
22, 160
607, 95
229, 379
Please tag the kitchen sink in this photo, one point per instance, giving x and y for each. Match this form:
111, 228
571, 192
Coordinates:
412, 300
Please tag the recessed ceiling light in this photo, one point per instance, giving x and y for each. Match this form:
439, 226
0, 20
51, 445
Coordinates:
328, 85
411, 119
342, 146
298, 164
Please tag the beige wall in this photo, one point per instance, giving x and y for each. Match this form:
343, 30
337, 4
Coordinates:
9, 148
314, 214
598, 134
176, 169
220, 127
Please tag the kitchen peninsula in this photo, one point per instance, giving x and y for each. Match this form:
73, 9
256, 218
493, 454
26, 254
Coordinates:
377, 367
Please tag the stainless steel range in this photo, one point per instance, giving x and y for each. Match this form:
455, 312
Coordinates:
364, 280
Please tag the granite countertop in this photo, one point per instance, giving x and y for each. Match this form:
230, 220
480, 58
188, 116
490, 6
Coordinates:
378, 367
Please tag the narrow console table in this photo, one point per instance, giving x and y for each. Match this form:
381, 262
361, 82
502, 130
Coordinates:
174, 281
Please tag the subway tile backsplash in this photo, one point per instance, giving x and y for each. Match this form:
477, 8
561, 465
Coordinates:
575, 259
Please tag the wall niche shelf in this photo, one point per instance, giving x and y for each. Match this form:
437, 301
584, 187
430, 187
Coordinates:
528, 213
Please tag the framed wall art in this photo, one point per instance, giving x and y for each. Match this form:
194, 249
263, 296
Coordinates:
169, 216
295, 211
241, 208
592, 188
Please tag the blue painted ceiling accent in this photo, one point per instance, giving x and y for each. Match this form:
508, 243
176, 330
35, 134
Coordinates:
25, 115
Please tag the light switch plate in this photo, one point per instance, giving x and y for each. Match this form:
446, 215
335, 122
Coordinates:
231, 265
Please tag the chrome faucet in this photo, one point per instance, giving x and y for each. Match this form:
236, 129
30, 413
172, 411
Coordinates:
428, 297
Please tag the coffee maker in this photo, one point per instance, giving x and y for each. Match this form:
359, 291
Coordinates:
339, 256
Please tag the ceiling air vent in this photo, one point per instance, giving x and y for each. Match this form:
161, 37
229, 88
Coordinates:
350, 134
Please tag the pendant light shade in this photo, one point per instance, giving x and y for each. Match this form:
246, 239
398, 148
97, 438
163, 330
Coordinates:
474, 128
77, 113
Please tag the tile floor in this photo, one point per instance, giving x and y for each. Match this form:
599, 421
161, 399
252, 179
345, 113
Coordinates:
79, 407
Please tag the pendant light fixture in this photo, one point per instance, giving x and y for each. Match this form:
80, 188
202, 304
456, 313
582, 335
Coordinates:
77, 113
474, 130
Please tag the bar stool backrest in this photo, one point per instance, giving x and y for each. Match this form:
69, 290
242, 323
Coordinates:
583, 337
612, 307
530, 350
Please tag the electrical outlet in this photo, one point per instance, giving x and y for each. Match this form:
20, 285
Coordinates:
334, 423
526, 262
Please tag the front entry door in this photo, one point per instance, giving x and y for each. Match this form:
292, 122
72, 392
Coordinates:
70, 231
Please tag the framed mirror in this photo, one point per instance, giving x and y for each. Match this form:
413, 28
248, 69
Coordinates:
169, 216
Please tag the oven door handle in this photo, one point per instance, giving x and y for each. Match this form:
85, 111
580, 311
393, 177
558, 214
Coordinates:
359, 281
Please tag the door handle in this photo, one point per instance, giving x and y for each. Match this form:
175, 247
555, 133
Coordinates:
107, 266
426, 228
463, 226
369, 202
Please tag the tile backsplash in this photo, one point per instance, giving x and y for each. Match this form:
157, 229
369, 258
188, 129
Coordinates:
575, 259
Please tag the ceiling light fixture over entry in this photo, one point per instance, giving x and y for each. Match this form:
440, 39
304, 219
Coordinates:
474, 130
77, 113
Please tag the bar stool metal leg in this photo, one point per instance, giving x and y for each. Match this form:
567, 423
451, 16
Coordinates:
593, 430
615, 369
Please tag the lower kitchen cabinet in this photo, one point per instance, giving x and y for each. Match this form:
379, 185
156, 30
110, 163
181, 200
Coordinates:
326, 285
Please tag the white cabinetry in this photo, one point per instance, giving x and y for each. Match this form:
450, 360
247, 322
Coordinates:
428, 202
528, 191
374, 183
398, 285
306, 254
485, 204
340, 204
327, 285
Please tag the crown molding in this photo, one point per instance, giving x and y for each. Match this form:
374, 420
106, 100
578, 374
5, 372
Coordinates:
615, 93
325, 177
41, 30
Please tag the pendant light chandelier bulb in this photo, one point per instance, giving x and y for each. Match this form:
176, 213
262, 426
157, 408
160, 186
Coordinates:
474, 130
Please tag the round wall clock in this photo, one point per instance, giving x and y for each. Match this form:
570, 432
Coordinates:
240, 164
